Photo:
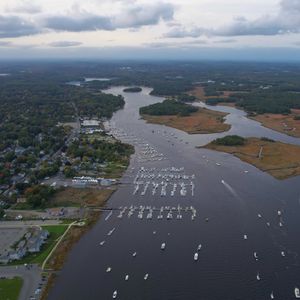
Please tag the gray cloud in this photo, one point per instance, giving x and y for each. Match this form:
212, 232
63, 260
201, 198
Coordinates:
5, 44
64, 44
134, 16
13, 26
286, 21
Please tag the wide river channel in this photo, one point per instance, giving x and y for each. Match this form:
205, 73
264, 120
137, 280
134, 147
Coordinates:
247, 222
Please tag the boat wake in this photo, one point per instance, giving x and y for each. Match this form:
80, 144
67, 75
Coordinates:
230, 189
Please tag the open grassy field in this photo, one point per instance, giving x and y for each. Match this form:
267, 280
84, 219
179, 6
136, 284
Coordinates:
202, 121
282, 123
10, 288
278, 159
81, 197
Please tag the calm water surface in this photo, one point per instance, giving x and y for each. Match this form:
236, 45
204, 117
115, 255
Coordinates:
226, 268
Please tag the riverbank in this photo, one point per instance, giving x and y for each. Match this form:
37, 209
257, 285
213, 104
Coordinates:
201, 122
276, 158
287, 124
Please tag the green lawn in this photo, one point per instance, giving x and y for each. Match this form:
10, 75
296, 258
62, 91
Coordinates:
10, 288
38, 258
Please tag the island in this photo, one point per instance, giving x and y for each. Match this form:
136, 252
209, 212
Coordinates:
190, 119
267, 155
134, 89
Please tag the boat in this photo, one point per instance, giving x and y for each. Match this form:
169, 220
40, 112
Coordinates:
196, 256
282, 253
115, 293
218, 164
268, 224
102, 243
163, 246
280, 224
259, 215
297, 293
255, 255
257, 276
245, 237
272, 296
279, 213
146, 276
108, 269
134, 254
126, 277
199, 247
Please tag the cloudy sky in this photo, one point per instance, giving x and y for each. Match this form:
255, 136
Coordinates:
150, 29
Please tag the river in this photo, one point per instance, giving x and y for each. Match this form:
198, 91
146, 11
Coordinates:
232, 199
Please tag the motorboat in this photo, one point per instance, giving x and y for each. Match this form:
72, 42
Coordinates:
163, 246
126, 277
280, 224
259, 215
196, 256
108, 269
115, 293
272, 296
282, 253
199, 247
255, 255
279, 213
218, 164
258, 276
102, 243
245, 237
134, 254
297, 293
146, 276
268, 224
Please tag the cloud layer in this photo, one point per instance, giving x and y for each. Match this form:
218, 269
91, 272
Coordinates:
286, 21
133, 15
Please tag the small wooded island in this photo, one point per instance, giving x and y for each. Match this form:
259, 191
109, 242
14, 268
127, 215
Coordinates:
182, 116
278, 159
134, 89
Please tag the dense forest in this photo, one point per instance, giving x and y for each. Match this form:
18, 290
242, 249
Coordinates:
168, 107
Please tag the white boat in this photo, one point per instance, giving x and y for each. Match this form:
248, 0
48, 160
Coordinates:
196, 256
297, 293
245, 237
279, 213
163, 246
268, 224
272, 296
146, 276
199, 247
115, 293
102, 243
255, 255
259, 215
280, 224
282, 253
257, 276
134, 254
126, 277
218, 164
108, 269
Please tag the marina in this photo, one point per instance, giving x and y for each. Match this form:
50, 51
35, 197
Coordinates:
221, 228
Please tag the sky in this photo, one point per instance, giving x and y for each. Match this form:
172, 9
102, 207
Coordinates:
150, 29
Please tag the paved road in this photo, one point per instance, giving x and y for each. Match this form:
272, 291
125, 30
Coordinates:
31, 278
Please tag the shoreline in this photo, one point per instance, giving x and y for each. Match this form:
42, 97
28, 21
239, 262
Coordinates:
204, 121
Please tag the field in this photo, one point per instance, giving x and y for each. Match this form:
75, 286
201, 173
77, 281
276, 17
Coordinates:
278, 159
282, 123
81, 197
199, 93
202, 121
10, 288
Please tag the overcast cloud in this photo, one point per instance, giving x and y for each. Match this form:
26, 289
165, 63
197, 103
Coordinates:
145, 24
